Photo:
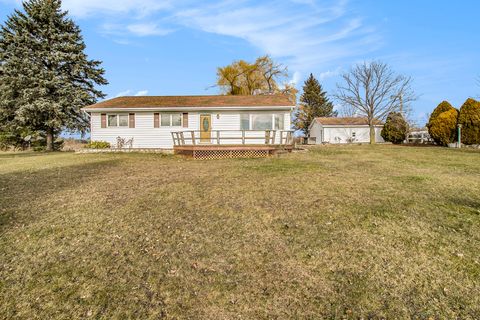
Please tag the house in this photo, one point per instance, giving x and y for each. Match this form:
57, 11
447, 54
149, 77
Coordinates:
153, 121
342, 130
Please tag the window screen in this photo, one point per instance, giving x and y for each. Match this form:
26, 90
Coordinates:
262, 121
244, 121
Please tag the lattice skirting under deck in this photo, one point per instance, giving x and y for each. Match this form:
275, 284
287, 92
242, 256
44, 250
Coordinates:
227, 154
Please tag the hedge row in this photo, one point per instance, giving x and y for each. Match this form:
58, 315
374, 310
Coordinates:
443, 123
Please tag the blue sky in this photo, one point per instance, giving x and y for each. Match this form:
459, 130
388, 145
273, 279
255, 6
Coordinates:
173, 47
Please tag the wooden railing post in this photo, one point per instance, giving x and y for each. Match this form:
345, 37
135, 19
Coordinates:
193, 137
243, 136
182, 138
173, 138
218, 136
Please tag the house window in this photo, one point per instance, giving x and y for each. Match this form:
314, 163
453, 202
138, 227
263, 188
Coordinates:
118, 120
171, 120
244, 121
279, 121
123, 120
262, 121
176, 120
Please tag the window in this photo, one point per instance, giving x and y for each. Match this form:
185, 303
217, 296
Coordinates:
112, 120
118, 120
279, 121
171, 120
123, 120
262, 122
165, 120
176, 120
244, 121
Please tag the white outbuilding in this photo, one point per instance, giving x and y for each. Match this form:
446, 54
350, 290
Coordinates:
342, 130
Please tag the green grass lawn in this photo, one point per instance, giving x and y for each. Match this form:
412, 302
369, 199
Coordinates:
338, 232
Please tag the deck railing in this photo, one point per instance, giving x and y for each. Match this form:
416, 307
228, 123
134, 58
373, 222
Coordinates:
235, 137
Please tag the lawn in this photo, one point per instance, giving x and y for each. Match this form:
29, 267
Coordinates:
338, 232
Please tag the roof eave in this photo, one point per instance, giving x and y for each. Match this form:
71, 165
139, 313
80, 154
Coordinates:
199, 108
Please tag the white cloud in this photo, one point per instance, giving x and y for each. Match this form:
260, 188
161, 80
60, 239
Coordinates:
305, 35
85, 8
129, 93
148, 29
141, 93
123, 93
295, 79
329, 74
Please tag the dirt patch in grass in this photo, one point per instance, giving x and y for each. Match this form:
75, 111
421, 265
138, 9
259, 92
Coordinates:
347, 232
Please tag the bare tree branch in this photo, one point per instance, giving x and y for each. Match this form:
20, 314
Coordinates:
373, 90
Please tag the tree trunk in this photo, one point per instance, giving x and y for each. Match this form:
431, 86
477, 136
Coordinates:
49, 139
372, 134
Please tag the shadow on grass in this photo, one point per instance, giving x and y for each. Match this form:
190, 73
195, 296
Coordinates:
27, 154
22, 190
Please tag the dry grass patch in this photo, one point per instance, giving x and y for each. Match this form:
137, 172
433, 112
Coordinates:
353, 231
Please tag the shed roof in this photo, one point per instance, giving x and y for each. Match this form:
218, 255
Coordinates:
273, 100
345, 121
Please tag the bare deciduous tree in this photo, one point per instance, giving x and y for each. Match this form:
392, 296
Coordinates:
373, 90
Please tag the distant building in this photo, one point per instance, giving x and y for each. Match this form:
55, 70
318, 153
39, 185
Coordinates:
342, 130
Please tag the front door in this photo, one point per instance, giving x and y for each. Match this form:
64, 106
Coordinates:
205, 128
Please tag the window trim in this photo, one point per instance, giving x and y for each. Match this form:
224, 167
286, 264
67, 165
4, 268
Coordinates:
273, 115
170, 115
117, 120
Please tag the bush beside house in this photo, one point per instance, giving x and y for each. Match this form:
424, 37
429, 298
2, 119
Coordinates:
98, 145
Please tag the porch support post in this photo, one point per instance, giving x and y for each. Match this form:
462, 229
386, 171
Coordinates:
193, 137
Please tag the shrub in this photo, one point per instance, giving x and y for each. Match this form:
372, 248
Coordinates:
442, 107
395, 129
469, 118
435, 132
98, 145
443, 129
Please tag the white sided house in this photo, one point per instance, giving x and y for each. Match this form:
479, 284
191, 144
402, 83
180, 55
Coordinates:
342, 130
148, 122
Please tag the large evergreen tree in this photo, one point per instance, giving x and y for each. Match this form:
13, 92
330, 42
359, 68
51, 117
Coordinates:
395, 129
45, 75
313, 103
469, 118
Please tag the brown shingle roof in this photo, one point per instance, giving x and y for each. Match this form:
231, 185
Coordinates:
345, 121
195, 101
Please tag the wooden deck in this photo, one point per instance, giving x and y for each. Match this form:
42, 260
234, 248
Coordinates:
223, 144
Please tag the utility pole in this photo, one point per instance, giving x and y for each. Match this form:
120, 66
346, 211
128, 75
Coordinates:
400, 98
459, 136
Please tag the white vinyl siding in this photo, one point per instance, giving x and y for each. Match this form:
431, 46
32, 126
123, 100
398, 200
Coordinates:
146, 136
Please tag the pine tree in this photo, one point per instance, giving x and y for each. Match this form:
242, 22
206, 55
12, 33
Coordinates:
45, 76
313, 103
